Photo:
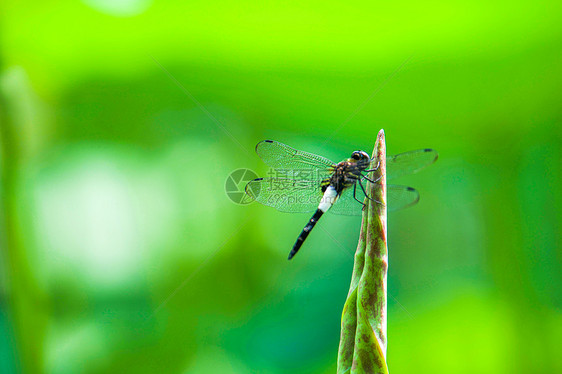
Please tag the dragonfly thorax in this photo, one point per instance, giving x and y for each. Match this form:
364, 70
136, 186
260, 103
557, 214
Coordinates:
348, 172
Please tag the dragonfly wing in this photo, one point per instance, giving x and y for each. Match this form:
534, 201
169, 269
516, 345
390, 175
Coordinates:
286, 195
346, 205
409, 162
300, 164
398, 197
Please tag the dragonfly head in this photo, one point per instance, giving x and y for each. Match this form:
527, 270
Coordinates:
360, 156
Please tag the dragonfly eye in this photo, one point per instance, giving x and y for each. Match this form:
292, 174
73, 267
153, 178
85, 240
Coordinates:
359, 155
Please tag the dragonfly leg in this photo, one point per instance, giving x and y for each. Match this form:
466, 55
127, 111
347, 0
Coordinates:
355, 197
365, 192
372, 181
378, 164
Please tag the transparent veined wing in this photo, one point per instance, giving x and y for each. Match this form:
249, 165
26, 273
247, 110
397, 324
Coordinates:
346, 205
398, 197
299, 164
286, 195
409, 162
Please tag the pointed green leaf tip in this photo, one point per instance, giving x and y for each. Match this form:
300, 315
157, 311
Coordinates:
363, 324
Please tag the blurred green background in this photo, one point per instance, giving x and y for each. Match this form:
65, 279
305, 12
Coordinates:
121, 120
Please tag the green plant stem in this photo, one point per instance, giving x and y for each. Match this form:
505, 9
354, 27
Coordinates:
27, 303
363, 327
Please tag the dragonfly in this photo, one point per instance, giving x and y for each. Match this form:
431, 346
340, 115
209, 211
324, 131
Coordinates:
304, 182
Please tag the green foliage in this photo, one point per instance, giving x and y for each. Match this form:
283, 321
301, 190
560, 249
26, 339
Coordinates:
113, 183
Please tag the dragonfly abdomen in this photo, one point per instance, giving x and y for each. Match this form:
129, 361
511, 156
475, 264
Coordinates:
329, 198
304, 234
